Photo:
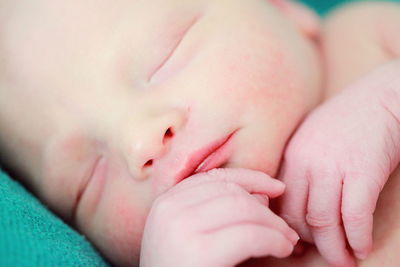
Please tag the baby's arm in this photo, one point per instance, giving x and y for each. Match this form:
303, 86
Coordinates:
358, 38
338, 162
213, 219
340, 158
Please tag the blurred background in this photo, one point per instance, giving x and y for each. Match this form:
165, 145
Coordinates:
323, 6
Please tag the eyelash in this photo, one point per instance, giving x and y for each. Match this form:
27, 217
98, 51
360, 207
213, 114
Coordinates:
172, 51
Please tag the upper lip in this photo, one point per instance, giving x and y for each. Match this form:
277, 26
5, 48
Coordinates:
197, 157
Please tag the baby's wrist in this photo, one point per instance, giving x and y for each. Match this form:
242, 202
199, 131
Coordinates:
387, 88
386, 91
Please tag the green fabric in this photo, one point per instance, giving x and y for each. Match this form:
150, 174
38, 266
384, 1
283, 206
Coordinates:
30, 235
323, 6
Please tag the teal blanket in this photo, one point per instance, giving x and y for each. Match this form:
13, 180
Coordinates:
324, 6
30, 235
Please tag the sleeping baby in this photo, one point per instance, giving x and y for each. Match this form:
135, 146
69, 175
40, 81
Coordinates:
106, 106
154, 127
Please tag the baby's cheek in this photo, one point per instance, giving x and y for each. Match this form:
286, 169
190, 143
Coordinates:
122, 233
120, 220
265, 86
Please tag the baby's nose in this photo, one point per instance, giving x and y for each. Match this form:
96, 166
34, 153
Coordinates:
150, 140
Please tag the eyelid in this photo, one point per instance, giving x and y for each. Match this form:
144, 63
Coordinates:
173, 50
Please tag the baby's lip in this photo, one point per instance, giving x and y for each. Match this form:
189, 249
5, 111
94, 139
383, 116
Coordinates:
207, 157
185, 157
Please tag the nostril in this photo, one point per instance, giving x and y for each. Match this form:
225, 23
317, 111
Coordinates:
148, 163
168, 135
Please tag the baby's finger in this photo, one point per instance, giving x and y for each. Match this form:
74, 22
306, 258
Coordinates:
359, 200
234, 209
293, 203
235, 243
324, 219
262, 199
255, 182
207, 191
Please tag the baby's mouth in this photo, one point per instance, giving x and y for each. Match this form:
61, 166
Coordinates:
209, 157
215, 159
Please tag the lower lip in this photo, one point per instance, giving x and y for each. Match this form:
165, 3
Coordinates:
215, 159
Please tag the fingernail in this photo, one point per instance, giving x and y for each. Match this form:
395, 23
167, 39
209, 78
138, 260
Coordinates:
295, 238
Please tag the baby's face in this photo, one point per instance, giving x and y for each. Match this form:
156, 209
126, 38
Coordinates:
123, 99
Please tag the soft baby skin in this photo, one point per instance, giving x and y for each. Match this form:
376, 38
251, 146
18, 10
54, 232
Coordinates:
340, 159
112, 103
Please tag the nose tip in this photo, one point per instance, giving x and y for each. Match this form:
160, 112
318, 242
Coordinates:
152, 142
145, 151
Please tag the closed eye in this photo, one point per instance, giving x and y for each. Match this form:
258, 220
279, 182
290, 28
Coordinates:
172, 51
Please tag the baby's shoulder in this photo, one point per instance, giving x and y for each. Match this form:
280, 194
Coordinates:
374, 21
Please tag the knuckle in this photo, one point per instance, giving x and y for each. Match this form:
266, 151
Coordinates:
312, 157
234, 199
354, 216
217, 173
232, 187
321, 219
291, 219
241, 206
228, 187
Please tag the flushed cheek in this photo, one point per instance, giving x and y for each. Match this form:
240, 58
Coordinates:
121, 228
258, 84
120, 219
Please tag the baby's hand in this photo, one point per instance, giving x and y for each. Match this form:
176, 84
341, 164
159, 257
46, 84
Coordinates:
212, 219
338, 162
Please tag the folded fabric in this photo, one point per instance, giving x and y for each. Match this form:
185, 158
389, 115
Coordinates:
30, 235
